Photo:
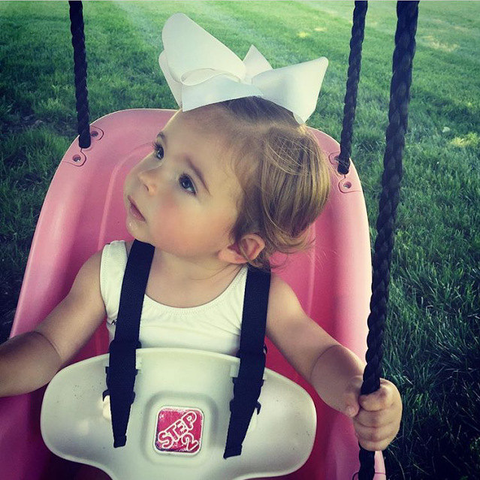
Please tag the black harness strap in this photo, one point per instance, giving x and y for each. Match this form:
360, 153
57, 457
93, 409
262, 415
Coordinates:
249, 382
122, 365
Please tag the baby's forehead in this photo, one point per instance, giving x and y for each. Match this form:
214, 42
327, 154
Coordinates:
210, 125
202, 136
208, 119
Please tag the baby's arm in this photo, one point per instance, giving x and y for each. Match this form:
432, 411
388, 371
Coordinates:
30, 360
333, 370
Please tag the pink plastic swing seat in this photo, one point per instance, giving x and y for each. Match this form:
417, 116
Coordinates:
83, 211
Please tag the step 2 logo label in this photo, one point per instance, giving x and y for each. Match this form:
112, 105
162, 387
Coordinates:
179, 430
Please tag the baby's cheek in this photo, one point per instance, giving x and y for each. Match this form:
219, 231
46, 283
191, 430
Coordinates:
169, 204
175, 218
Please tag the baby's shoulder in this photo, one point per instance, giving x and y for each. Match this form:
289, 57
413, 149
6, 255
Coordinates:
282, 298
279, 286
286, 317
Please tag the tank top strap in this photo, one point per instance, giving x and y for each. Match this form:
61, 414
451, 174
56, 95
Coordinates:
112, 269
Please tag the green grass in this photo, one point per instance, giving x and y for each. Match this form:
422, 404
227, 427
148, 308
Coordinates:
432, 348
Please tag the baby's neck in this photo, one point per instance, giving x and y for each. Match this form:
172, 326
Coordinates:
180, 282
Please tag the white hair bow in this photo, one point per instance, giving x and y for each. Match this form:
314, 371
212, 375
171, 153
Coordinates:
201, 70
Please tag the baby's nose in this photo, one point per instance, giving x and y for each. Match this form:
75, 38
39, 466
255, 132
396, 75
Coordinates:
151, 179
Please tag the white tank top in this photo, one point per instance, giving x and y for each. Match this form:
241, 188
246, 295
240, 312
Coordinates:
214, 326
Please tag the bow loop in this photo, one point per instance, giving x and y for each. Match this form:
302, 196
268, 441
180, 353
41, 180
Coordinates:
200, 70
194, 77
255, 63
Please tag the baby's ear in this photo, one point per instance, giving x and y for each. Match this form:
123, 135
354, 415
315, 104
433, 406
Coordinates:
248, 248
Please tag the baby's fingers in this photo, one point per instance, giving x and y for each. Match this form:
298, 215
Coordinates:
385, 397
377, 419
375, 439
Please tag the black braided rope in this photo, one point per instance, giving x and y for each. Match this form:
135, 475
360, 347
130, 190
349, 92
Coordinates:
407, 13
80, 59
353, 77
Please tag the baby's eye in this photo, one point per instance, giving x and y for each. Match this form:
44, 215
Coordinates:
158, 150
187, 184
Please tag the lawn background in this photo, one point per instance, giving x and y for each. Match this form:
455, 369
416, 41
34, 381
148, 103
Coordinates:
432, 341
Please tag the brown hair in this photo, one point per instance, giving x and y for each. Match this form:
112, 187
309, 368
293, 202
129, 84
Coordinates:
281, 170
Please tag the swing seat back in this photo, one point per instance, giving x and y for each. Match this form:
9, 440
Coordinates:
83, 210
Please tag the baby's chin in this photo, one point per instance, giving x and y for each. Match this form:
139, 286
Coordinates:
133, 227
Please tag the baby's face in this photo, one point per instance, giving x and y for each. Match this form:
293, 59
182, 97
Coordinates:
182, 198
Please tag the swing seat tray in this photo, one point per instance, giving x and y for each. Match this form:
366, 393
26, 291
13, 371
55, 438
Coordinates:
178, 421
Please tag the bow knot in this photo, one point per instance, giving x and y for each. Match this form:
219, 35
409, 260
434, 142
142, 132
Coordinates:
200, 70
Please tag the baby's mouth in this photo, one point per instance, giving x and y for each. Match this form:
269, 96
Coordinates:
135, 211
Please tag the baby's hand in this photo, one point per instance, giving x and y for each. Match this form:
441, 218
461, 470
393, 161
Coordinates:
376, 417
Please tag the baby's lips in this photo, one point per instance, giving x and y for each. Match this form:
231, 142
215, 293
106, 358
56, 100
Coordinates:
134, 210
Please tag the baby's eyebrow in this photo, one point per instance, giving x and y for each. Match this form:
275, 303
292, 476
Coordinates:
198, 173
163, 137
190, 163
